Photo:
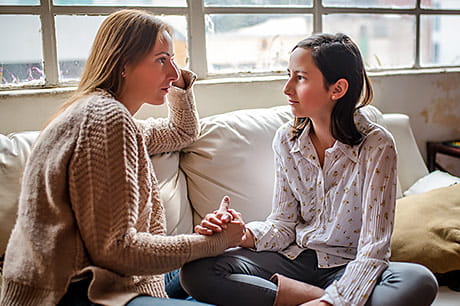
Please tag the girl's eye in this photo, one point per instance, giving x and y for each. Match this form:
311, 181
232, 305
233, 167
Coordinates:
299, 77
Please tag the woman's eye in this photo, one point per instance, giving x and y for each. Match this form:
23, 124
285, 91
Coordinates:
162, 60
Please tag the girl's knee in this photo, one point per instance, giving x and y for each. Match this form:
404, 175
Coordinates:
410, 284
197, 275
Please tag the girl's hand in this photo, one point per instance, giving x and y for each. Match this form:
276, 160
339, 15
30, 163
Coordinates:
235, 233
217, 220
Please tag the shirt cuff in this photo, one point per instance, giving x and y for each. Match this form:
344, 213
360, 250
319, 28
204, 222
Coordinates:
332, 295
326, 298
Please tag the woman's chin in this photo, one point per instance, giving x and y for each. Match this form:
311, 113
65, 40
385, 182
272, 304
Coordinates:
160, 101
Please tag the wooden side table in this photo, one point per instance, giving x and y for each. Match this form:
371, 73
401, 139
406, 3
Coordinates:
434, 147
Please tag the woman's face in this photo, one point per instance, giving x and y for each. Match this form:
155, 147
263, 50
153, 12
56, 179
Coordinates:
305, 87
149, 80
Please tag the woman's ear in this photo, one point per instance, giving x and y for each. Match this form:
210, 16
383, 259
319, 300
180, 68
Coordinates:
339, 89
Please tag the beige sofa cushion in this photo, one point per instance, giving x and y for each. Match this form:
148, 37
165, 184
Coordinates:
173, 193
14, 151
233, 156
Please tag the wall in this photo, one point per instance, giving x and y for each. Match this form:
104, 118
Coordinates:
431, 99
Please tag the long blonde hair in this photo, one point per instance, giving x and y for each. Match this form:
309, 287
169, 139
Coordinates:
124, 37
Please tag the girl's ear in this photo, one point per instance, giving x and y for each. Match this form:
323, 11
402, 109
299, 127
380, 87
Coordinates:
339, 89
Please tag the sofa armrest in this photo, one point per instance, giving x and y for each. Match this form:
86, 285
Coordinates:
411, 165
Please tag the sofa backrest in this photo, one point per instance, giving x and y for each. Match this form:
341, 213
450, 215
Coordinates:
233, 156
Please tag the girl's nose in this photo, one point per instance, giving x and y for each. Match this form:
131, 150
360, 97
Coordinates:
287, 87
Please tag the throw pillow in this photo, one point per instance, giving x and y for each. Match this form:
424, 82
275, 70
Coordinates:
427, 229
433, 180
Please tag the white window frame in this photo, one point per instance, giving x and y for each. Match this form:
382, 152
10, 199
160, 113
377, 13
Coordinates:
195, 14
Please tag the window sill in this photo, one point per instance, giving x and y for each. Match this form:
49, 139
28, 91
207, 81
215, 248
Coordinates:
219, 80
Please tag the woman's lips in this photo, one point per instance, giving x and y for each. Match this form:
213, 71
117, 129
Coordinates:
291, 102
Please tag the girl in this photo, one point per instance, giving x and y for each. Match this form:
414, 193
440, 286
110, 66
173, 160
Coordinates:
333, 206
90, 226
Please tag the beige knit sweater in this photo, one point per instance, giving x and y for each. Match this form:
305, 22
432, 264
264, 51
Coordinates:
90, 205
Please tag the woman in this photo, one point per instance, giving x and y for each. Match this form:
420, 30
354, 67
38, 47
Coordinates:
91, 226
333, 206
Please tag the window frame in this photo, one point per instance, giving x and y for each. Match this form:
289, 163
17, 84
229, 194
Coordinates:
195, 12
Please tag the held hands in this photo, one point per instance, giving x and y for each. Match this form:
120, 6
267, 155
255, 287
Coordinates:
224, 219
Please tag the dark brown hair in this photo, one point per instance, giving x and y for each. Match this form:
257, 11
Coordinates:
338, 57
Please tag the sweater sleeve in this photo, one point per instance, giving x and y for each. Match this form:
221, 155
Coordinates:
378, 200
104, 176
180, 128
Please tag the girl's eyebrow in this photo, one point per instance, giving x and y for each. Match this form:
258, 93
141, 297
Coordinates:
165, 53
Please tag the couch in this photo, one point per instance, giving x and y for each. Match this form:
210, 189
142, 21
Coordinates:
232, 156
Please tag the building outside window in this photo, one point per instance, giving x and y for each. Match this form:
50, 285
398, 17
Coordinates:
45, 43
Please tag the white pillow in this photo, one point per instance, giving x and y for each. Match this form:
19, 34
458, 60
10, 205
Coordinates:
433, 180
233, 156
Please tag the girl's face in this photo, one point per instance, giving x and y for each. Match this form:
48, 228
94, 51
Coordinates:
149, 80
305, 87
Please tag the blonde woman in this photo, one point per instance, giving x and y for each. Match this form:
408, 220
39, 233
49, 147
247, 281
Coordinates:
91, 226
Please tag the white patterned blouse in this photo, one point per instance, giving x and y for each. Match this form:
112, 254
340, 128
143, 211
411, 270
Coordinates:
343, 210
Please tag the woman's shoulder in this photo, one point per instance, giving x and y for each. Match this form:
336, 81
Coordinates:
101, 108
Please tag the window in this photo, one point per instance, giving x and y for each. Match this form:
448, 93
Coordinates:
45, 43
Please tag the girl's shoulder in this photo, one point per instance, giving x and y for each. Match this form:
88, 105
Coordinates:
372, 131
283, 133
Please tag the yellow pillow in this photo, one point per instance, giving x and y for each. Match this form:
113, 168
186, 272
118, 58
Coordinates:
427, 229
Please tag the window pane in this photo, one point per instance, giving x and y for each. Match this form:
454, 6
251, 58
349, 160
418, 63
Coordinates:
258, 2
371, 3
21, 57
75, 35
385, 41
20, 2
253, 43
174, 3
438, 45
441, 4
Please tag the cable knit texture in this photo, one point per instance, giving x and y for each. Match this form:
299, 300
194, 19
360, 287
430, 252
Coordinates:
90, 205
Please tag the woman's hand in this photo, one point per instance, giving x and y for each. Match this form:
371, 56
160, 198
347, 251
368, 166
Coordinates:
180, 82
217, 220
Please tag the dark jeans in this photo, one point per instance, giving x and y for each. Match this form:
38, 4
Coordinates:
241, 277
77, 294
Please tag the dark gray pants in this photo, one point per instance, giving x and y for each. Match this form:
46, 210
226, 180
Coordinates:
240, 277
